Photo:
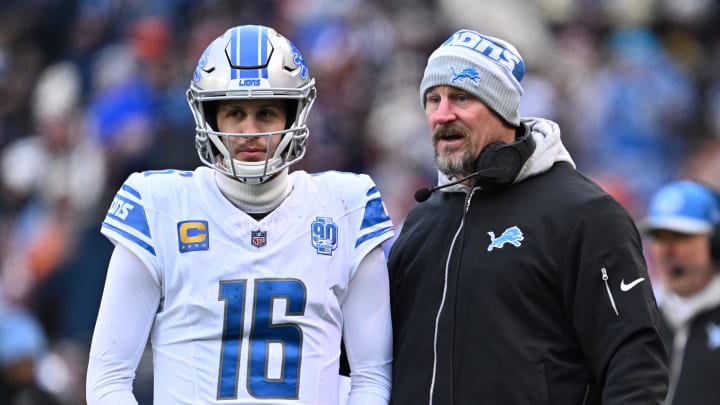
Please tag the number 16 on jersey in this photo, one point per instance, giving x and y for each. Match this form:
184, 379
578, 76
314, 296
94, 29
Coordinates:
274, 354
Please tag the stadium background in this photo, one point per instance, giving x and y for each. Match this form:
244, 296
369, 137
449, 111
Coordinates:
92, 90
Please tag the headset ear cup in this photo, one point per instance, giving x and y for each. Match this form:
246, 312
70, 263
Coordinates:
507, 158
715, 246
715, 237
504, 157
487, 156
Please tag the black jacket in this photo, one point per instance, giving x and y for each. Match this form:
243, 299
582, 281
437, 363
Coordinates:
519, 300
694, 348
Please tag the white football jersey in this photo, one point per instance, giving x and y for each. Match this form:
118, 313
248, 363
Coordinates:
250, 310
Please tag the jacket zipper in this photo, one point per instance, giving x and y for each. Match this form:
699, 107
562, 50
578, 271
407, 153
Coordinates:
442, 303
587, 394
607, 287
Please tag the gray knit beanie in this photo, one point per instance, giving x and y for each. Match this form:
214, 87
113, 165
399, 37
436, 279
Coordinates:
488, 68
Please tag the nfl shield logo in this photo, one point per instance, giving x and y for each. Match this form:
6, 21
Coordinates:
258, 238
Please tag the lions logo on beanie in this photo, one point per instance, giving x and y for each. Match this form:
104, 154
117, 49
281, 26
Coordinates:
488, 68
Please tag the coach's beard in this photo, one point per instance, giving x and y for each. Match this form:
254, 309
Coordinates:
453, 163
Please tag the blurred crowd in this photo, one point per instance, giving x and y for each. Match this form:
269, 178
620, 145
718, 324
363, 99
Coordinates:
93, 90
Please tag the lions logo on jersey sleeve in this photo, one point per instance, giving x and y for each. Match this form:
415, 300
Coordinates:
127, 218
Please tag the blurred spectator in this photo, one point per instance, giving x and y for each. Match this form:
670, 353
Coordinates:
22, 348
640, 108
58, 174
150, 39
684, 225
121, 111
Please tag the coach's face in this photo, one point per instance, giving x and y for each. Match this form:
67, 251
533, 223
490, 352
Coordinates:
461, 126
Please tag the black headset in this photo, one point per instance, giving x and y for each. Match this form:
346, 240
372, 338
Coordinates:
715, 245
715, 235
496, 167
506, 158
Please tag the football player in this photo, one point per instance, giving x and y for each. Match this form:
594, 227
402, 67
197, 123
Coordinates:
245, 277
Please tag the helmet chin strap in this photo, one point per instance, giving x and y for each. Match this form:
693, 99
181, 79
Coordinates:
252, 172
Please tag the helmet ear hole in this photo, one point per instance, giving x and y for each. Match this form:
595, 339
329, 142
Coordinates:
210, 108
291, 107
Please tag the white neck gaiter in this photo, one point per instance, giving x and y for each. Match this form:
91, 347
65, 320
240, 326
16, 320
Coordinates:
255, 198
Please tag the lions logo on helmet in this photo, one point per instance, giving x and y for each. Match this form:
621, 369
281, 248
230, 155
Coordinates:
251, 61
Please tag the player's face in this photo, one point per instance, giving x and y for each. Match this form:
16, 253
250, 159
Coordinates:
461, 127
252, 116
682, 261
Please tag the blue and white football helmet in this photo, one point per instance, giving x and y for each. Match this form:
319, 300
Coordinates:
250, 62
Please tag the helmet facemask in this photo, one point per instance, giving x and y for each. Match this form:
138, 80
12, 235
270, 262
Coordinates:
265, 66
